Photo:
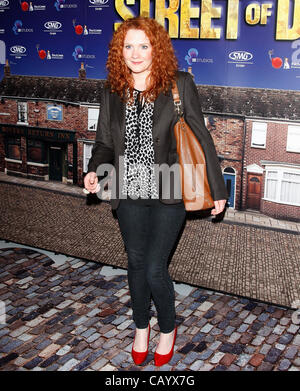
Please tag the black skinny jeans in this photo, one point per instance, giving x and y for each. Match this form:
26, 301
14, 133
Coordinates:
149, 233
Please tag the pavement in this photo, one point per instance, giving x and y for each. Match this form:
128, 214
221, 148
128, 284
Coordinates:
59, 313
244, 217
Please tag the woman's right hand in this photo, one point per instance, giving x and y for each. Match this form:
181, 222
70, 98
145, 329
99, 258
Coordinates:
91, 182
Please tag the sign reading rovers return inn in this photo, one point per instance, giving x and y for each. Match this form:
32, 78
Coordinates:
49, 135
48, 126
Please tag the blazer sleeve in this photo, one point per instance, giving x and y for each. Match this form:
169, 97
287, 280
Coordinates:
194, 118
103, 149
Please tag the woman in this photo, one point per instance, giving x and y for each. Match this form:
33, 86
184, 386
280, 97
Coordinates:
136, 122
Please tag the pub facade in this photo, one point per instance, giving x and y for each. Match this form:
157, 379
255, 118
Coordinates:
37, 153
47, 126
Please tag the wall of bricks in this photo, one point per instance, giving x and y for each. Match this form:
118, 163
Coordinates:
275, 145
2, 152
74, 117
15, 168
275, 150
36, 172
280, 211
227, 133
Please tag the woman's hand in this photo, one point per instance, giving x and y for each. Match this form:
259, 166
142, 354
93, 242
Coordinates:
219, 207
91, 182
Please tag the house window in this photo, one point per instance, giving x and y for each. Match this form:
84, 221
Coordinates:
259, 135
283, 185
93, 114
13, 148
87, 153
36, 151
293, 138
271, 185
22, 112
290, 188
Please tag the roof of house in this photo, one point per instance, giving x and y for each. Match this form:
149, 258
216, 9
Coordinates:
69, 89
251, 102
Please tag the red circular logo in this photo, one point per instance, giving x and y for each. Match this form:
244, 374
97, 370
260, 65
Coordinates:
78, 29
276, 62
24, 6
42, 54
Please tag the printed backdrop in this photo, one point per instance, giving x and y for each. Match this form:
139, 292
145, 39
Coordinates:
226, 42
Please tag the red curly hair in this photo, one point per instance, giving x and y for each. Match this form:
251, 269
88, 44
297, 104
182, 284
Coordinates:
164, 62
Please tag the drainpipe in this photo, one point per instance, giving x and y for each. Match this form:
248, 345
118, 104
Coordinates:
75, 162
243, 156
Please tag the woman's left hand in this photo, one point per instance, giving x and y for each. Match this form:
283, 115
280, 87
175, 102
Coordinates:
219, 207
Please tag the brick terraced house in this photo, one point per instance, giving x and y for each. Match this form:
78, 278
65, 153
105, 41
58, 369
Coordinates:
257, 133
48, 124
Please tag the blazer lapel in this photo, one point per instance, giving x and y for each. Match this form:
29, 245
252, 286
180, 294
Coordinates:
117, 111
120, 112
162, 105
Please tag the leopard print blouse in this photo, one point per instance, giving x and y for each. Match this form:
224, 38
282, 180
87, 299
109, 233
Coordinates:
139, 179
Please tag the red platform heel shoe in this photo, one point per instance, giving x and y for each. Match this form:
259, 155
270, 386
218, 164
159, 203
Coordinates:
161, 359
140, 357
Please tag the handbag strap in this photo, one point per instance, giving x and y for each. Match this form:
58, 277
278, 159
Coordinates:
177, 101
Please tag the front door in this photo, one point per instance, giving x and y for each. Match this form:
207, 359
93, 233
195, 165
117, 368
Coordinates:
254, 191
230, 186
55, 163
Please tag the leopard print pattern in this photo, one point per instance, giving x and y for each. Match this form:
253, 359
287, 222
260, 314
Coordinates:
139, 178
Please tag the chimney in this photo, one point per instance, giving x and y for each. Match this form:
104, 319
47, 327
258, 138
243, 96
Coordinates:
190, 71
6, 69
82, 72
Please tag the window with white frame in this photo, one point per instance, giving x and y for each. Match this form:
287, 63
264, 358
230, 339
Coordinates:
271, 185
93, 114
293, 138
87, 153
282, 185
259, 134
22, 112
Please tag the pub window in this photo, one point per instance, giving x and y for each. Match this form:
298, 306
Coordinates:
22, 112
93, 114
13, 148
36, 151
87, 153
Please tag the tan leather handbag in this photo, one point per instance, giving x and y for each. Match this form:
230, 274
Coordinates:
194, 183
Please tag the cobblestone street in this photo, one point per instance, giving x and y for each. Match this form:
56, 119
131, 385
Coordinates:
76, 316
238, 258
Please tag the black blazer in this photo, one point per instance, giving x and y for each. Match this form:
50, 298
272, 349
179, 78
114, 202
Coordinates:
110, 136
